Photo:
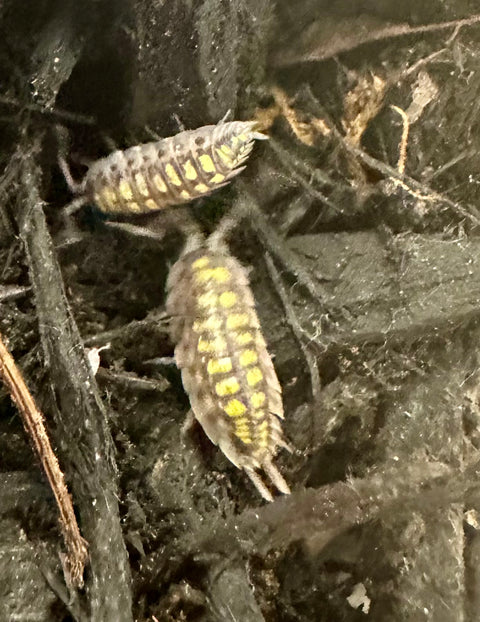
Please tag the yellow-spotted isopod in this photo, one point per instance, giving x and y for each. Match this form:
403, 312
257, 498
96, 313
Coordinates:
226, 369
168, 172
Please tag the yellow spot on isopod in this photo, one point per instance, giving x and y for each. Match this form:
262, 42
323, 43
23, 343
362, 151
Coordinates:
257, 399
242, 430
235, 140
109, 197
254, 376
220, 275
219, 366
228, 299
258, 414
206, 163
235, 408
212, 324
243, 137
248, 357
245, 438
237, 320
208, 300
243, 339
215, 345
217, 179
150, 204
185, 195
201, 188
125, 190
159, 183
133, 206
226, 149
224, 157
172, 175
264, 434
229, 386
263, 427
141, 184
190, 172
202, 262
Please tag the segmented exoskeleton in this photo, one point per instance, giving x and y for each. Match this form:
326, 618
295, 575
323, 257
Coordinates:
168, 172
226, 369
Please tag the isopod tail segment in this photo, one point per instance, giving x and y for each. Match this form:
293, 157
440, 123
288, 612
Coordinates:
274, 475
165, 173
226, 369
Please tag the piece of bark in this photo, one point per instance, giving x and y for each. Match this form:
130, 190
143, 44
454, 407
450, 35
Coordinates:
403, 286
231, 595
82, 433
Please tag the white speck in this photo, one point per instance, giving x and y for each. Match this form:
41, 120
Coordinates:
359, 599
471, 518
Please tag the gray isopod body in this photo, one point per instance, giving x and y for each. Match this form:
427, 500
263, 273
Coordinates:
226, 369
168, 172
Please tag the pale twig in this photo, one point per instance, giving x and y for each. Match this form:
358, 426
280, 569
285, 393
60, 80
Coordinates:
402, 149
333, 46
33, 421
410, 185
56, 113
13, 292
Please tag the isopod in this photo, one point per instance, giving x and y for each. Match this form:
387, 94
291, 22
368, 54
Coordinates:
167, 172
226, 369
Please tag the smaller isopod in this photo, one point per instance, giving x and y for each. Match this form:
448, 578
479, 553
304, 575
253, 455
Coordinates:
171, 171
227, 371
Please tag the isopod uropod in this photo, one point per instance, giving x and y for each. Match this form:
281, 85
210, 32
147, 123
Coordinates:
226, 369
168, 172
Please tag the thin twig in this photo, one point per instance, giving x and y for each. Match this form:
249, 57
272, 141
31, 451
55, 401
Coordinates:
334, 45
74, 562
410, 185
297, 329
402, 149
159, 321
55, 114
13, 292
247, 207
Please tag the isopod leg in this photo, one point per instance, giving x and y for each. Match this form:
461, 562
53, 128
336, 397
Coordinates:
74, 206
75, 186
225, 117
138, 231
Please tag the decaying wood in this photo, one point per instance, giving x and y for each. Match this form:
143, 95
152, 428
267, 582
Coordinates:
81, 425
